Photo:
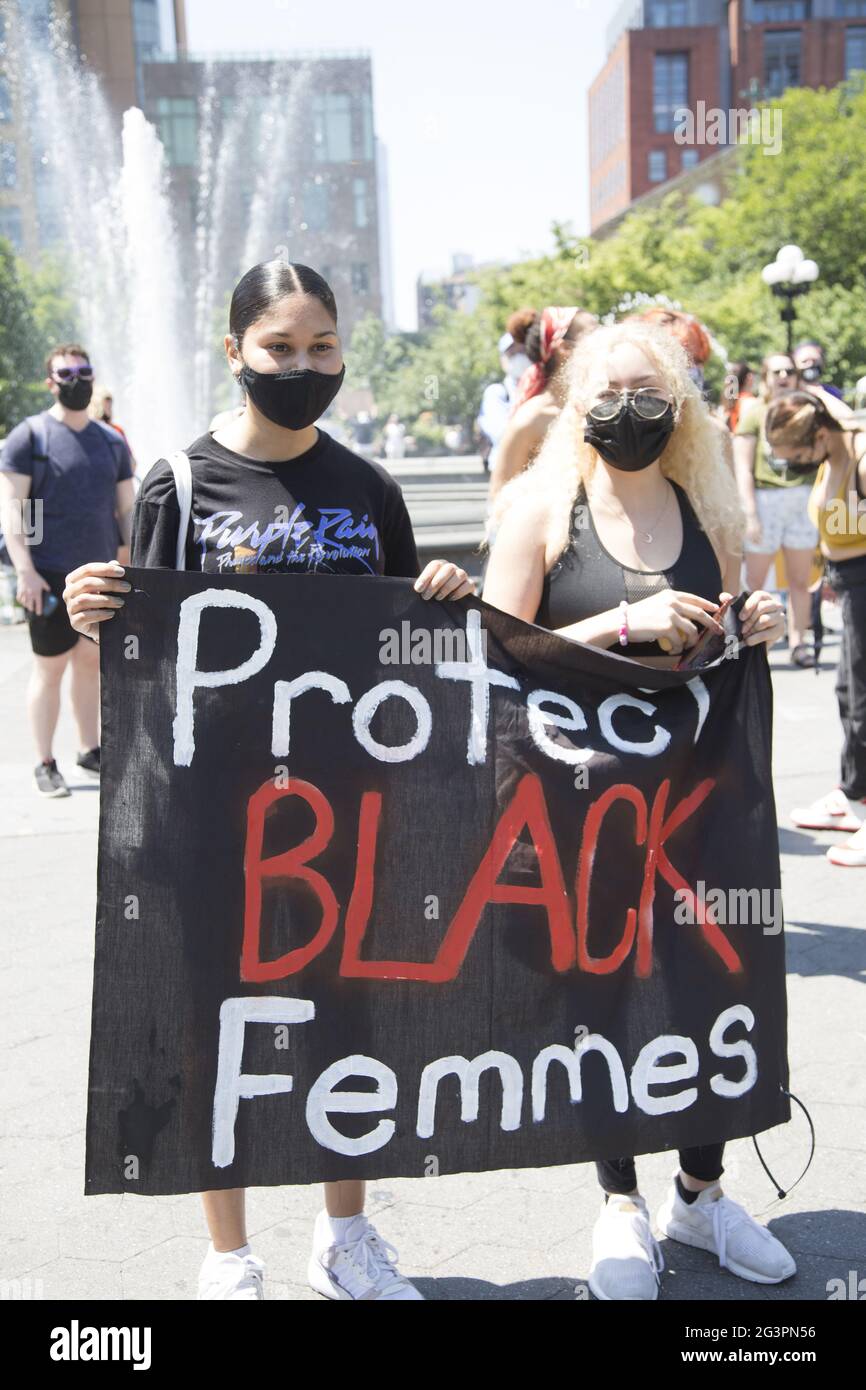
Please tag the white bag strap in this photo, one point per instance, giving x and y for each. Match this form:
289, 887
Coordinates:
180, 467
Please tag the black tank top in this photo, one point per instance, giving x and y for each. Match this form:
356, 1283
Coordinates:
587, 580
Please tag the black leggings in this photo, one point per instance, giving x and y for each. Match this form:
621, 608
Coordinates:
849, 581
617, 1175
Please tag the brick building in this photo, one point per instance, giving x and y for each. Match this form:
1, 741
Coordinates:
307, 123
667, 55
326, 171
112, 38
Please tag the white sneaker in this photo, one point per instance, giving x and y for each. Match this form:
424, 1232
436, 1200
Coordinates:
227, 1276
851, 855
362, 1266
713, 1222
830, 812
626, 1259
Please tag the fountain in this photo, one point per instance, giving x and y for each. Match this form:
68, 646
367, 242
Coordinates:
150, 300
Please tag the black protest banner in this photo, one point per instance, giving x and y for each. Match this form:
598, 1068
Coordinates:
389, 887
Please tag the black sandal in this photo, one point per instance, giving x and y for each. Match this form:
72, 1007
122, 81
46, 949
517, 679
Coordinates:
802, 655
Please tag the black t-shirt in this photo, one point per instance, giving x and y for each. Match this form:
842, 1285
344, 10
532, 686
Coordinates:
328, 510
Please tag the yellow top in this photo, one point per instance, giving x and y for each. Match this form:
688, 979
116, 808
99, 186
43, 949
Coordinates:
841, 520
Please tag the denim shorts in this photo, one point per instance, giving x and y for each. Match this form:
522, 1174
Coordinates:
784, 520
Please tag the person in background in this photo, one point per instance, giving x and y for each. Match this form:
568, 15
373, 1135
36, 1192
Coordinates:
102, 408
739, 390
78, 473
541, 392
687, 330
454, 439
802, 430
395, 437
775, 496
497, 402
362, 428
810, 364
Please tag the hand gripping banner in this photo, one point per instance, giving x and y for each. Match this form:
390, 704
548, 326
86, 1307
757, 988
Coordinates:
390, 887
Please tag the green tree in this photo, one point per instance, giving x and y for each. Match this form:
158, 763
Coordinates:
706, 260
375, 357
21, 346
54, 311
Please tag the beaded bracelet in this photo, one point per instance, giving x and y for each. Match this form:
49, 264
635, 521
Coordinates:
623, 623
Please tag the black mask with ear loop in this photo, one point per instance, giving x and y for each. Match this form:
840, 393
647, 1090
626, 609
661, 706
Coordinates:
629, 442
294, 399
75, 394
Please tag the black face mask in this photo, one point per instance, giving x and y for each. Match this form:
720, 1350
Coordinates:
629, 442
75, 394
293, 399
805, 468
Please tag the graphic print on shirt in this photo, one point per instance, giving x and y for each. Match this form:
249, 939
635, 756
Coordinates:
289, 540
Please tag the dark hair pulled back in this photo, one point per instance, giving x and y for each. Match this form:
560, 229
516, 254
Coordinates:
269, 282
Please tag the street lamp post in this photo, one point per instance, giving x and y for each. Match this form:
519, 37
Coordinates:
788, 276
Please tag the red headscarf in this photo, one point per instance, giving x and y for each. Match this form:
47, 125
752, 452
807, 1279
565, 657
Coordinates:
555, 323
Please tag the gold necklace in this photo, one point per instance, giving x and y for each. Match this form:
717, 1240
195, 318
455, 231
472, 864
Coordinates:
623, 514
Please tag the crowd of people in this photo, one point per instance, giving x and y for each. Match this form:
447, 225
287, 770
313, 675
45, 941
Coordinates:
624, 513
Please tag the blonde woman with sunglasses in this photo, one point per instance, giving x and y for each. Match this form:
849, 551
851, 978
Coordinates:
625, 535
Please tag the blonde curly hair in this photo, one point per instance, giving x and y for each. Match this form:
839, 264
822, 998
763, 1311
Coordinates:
693, 456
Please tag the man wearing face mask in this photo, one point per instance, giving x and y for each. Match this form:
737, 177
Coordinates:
66, 496
498, 399
809, 361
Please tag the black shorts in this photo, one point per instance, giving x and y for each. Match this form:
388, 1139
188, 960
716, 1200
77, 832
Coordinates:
54, 635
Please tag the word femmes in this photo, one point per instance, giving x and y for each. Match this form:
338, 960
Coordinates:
479, 677
670, 1058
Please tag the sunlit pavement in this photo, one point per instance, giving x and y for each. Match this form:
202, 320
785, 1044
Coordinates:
515, 1235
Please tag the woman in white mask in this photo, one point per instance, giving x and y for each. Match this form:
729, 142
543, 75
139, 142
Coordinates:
498, 400
541, 392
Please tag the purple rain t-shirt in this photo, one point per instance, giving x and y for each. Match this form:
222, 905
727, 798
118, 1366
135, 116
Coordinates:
329, 510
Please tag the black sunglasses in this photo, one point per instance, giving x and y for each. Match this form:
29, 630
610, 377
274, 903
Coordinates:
648, 403
67, 373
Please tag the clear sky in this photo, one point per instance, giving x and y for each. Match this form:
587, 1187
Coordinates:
482, 105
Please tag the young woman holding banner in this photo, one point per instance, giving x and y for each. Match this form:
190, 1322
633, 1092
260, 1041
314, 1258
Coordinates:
625, 534
341, 514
